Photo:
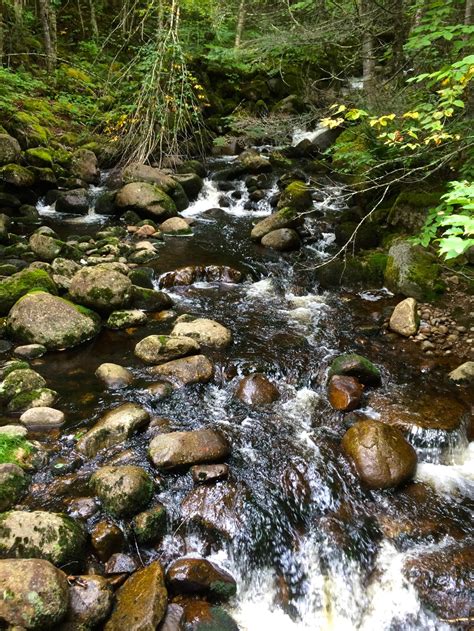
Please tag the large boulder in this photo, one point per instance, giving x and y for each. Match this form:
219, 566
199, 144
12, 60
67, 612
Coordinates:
101, 288
381, 455
168, 184
181, 449
157, 349
282, 240
252, 162
199, 576
84, 166
75, 201
141, 602
40, 318
16, 175
19, 284
10, 149
113, 428
192, 183
33, 594
205, 332
123, 490
53, 537
45, 248
413, 272
13, 484
284, 218
297, 195
146, 199
185, 371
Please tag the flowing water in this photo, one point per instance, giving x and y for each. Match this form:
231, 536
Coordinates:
304, 539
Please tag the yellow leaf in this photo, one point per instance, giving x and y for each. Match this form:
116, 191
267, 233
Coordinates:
413, 115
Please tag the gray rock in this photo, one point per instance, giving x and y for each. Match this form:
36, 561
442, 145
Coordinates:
283, 240
75, 202
126, 318
101, 288
30, 351
464, 372
10, 149
205, 332
185, 371
404, 319
114, 376
156, 349
145, 199
84, 166
42, 418
20, 381
90, 600
123, 490
284, 218
13, 483
175, 225
180, 449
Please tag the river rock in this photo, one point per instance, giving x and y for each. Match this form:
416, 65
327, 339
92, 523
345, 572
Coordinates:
254, 163
200, 273
141, 602
219, 507
192, 183
201, 577
257, 390
114, 376
20, 381
90, 600
107, 539
120, 563
42, 418
199, 615
45, 247
206, 332
123, 490
40, 318
101, 288
353, 365
146, 199
156, 349
21, 283
150, 526
464, 372
10, 149
174, 618
175, 225
149, 299
404, 319
187, 370
345, 393
180, 449
13, 484
381, 455
42, 397
203, 473
141, 173
283, 240
115, 427
126, 318
84, 166
30, 351
75, 201
444, 580
17, 175
33, 594
284, 218
50, 536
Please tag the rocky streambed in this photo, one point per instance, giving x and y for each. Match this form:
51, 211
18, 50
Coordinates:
202, 429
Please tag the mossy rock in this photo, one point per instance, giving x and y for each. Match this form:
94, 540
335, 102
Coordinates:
297, 196
21, 283
123, 490
30, 131
9, 148
367, 235
39, 157
42, 397
359, 271
13, 484
351, 155
354, 365
16, 175
150, 526
18, 381
413, 272
410, 209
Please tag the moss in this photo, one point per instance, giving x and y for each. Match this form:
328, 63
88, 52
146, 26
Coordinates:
19, 381
150, 526
351, 154
31, 130
39, 157
410, 209
297, 195
21, 283
357, 366
26, 400
366, 270
16, 175
13, 365
13, 484
10, 447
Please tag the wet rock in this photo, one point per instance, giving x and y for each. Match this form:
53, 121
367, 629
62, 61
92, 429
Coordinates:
219, 507
90, 600
44, 247
42, 397
173, 620
353, 365
192, 183
257, 390
206, 332
114, 376
84, 166
199, 615
42, 418
113, 428
254, 163
284, 218
101, 288
10, 149
50, 536
40, 318
345, 393
187, 370
404, 319
381, 455
156, 349
443, 579
30, 351
126, 318
141, 602
180, 449
146, 199
107, 539
75, 201
21, 283
200, 273
82, 508
150, 526
33, 594
175, 225
283, 240
123, 490
201, 577
13, 484
159, 390
17, 175
203, 473
19, 381
121, 564
141, 173
464, 372
150, 300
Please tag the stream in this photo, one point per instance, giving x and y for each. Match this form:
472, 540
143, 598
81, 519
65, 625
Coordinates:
308, 546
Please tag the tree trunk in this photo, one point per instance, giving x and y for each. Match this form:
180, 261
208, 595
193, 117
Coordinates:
368, 52
49, 33
94, 27
2, 34
399, 39
240, 23
469, 13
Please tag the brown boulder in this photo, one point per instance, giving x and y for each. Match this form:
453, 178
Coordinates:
199, 273
180, 449
199, 576
256, 390
187, 370
282, 240
345, 393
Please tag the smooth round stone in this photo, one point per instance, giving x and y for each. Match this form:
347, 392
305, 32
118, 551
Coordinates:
114, 376
42, 417
30, 351
16, 431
